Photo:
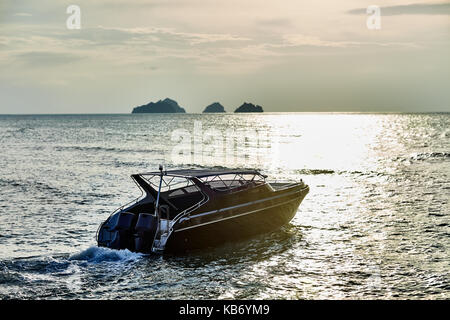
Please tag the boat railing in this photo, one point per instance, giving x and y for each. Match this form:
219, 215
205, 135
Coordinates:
190, 209
284, 184
130, 203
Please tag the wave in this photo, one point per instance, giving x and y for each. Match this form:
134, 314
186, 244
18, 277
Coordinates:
314, 171
10, 183
119, 164
425, 156
97, 254
41, 187
33, 187
24, 271
431, 155
105, 149
8, 277
26, 186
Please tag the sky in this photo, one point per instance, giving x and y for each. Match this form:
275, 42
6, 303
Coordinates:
285, 55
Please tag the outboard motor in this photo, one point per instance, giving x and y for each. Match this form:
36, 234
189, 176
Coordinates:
122, 238
145, 231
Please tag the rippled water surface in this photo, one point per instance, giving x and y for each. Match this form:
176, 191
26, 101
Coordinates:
375, 224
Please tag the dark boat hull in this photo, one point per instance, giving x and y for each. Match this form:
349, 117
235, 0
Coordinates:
236, 223
219, 218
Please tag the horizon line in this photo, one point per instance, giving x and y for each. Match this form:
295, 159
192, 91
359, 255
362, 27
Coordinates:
222, 113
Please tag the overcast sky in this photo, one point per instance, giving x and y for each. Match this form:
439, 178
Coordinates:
285, 55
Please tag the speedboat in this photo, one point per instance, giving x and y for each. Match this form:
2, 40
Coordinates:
183, 210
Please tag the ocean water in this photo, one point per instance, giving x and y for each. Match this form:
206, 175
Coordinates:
376, 223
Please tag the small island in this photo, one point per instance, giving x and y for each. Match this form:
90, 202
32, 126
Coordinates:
216, 107
249, 107
162, 106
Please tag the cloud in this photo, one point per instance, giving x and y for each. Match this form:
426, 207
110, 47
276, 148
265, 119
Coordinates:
165, 49
411, 9
44, 58
23, 14
145, 4
171, 34
274, 22
302, 41
305, 40
109, 49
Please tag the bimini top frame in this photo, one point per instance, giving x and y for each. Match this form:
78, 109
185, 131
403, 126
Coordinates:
213, 180
194, 173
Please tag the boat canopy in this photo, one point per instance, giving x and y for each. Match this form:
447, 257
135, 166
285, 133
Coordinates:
198, 173
189, 180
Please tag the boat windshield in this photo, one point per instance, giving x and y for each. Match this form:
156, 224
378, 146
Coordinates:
171, 183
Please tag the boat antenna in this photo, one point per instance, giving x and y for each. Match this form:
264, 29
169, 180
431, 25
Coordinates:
159, 189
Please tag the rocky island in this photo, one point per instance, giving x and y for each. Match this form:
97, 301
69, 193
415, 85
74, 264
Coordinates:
249, 107
162, 106
216, 107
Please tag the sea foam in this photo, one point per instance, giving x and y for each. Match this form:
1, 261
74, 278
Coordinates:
97, 254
